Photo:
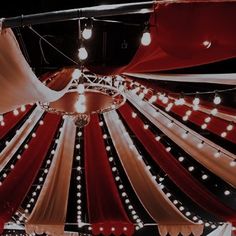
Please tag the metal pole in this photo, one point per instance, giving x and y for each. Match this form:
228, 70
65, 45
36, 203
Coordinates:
73, 14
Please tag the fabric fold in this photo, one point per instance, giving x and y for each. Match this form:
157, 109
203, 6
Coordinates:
229, 79
19, 180
10, 121
105, 209
204, 152
18, 83
223, 230
7, 153
176, 172
160, 208
49, 213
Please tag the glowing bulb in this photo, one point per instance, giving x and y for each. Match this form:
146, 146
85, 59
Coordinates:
232, 163
153, 99
208, 119
188, 112
206, 44
229, 127
217, 99
80, 108
204, 126
185, 118
214, 111
204, 177
191, 168
165, 100
180, 101
23, 108
226, 192
181, 159
196, 101
169, 106
175, 202
76, 74
1, 117
15, 112
87, 33
134, 115
82, 53
146, 39
223, 134
80, 88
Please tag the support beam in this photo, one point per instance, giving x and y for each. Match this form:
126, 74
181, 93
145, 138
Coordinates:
74, 14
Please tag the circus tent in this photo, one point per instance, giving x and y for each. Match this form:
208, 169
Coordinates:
139, 143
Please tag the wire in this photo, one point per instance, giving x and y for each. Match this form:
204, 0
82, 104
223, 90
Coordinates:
51, 45
211, 92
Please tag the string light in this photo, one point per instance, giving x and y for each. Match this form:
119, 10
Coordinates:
82, 53
217, 99
87, 32
196, 101
146, 37
207, 119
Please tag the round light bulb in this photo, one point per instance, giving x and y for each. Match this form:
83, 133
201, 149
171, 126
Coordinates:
146, 39
196, 101
82, 53
217, 99
87, 33
76, 74
80, 108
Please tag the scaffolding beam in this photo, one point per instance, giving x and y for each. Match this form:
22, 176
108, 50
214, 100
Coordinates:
74, 14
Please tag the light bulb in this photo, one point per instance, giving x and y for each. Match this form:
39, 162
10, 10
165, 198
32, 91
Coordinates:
153, 99
214, 111
206, 44
16, 112
165, 100
87, 33
80, 88
146, 39
196, 101
82, 53
80, 108
23, 108
217, 99
229, 127
208, 119
76, 74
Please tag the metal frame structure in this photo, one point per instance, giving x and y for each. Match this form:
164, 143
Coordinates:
78, 13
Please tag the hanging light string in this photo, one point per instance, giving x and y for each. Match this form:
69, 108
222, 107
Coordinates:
189, 131
159, 178
29, 202
51, 45
181, 101
109, 148
229, 191
79, 179
5, 141
17, 156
